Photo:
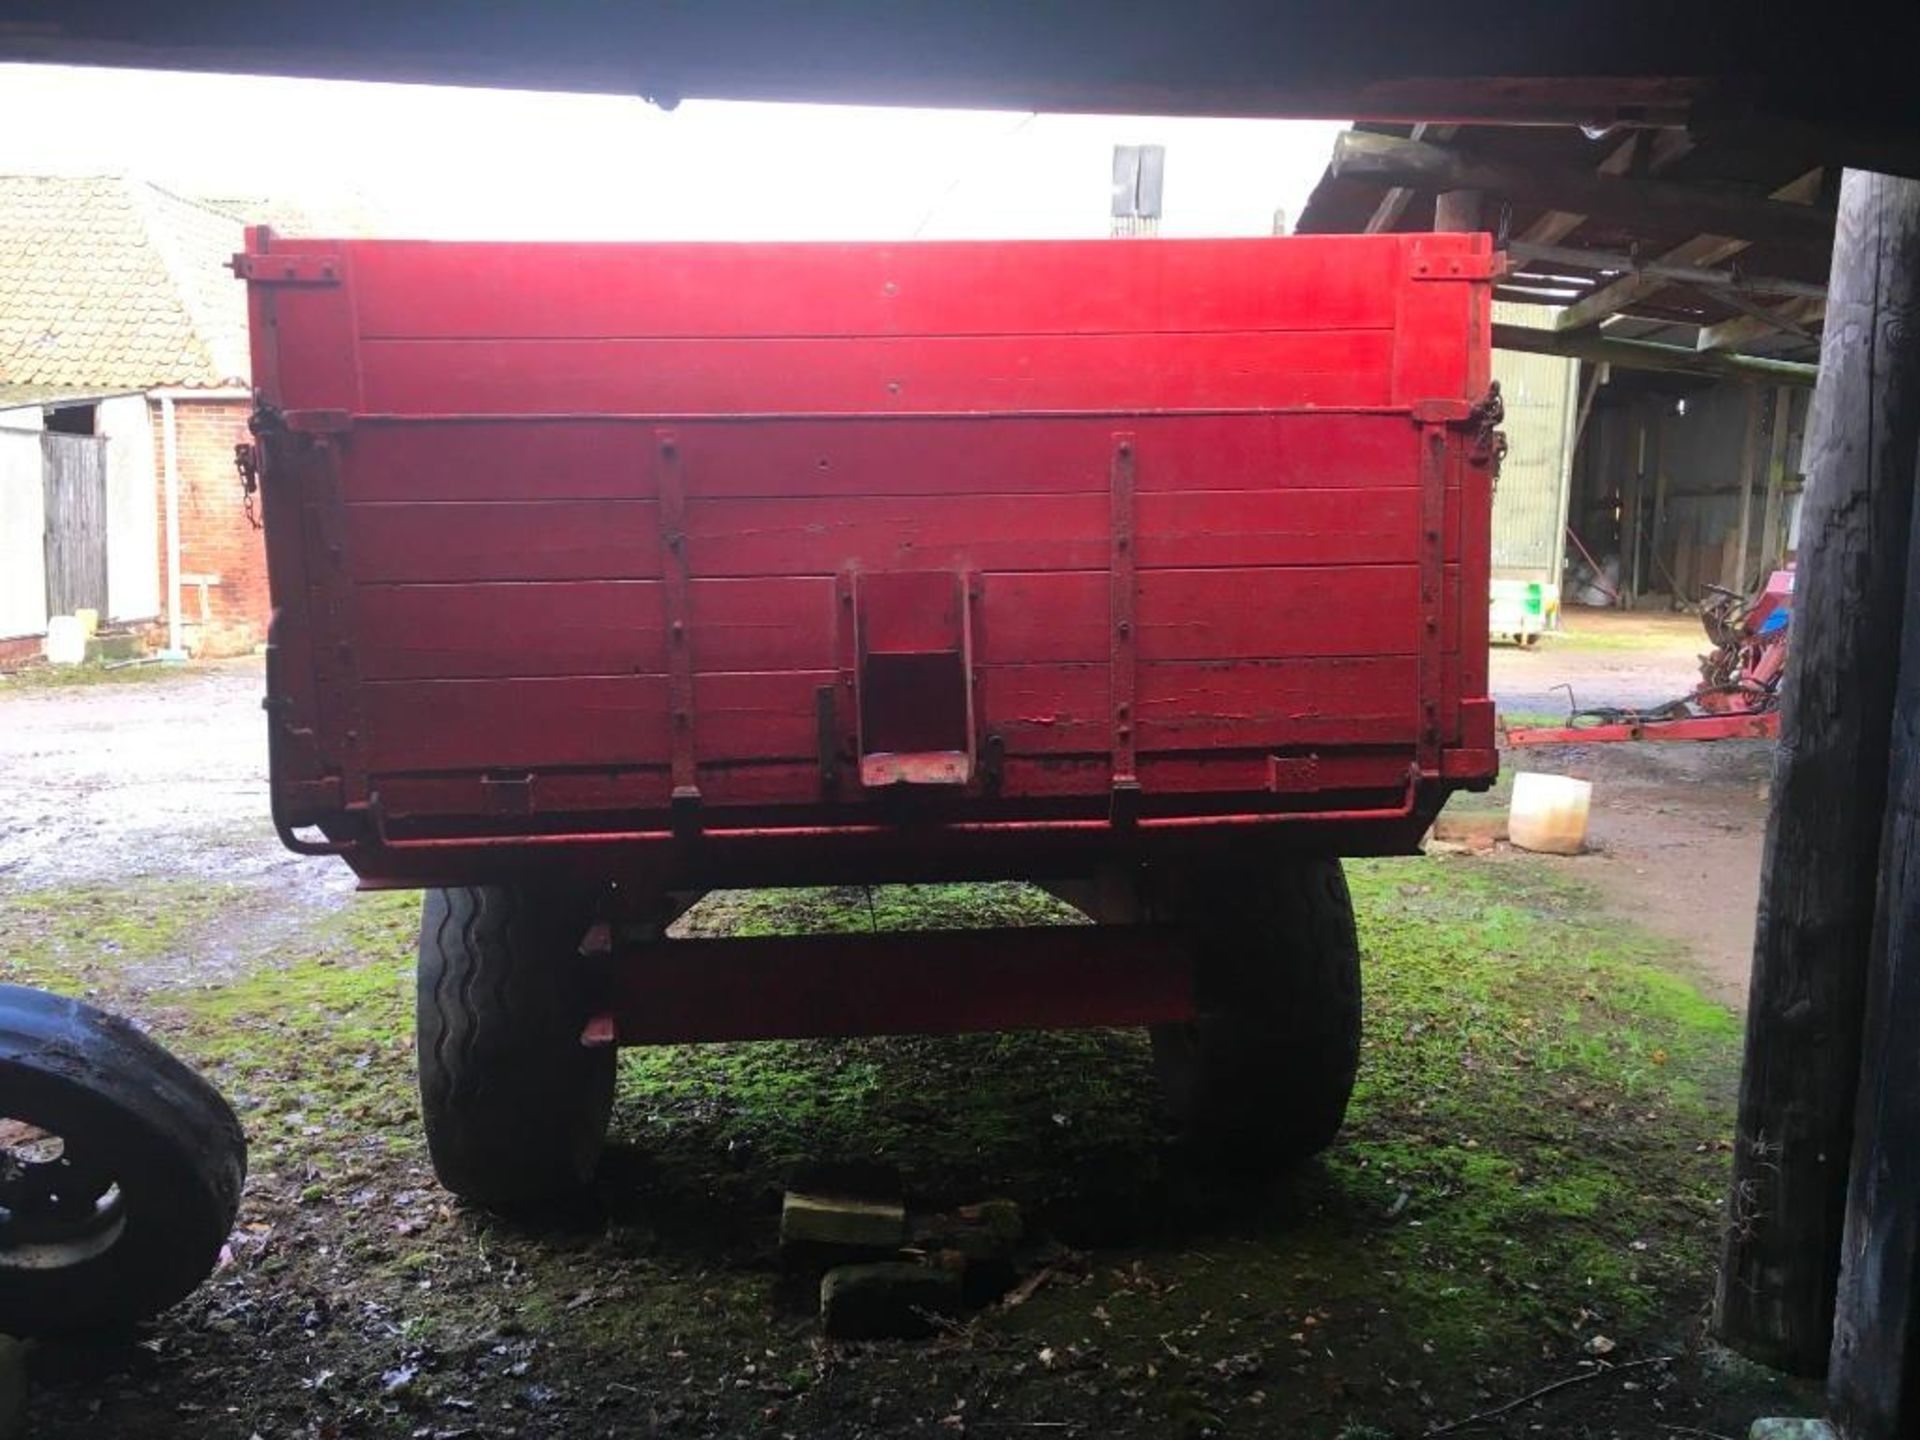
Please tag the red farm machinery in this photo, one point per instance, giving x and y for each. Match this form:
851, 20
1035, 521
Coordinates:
1738, 697
1153, 572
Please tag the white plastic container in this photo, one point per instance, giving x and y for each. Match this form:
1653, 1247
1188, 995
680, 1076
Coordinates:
66, 642
1549, 813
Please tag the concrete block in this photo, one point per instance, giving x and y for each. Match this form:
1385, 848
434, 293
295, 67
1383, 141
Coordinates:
886, 1301
830, 1229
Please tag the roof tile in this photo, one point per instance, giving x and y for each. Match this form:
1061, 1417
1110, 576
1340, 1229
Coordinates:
107, 281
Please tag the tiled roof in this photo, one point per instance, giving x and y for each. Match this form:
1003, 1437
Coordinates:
111, 282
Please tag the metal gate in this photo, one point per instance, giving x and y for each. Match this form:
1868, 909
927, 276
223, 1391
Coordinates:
76, 481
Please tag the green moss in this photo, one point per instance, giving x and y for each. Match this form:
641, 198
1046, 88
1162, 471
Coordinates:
72, 677
1533, 1151
76, 939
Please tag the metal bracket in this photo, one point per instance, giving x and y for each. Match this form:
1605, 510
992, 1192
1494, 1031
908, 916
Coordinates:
827, 736
287, 269
1426, 264
318, 422
508, 794
1293, 774
1433, 511
678, 583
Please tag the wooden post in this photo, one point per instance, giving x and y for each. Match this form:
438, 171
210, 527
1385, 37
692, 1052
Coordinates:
1776, 479
1749, 458
1874, 1380
1459, 210
1817, 885
1630, 514
1657, 529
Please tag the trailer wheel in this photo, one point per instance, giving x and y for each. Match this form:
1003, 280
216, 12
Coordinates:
1261, 1077
120, 1169
515, 1107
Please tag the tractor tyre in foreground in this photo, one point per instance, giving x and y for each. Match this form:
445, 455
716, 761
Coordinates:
1261, 1077
515, 1106
120, 1170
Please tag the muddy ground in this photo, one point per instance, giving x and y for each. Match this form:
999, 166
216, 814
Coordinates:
1528, 1191
1676, 828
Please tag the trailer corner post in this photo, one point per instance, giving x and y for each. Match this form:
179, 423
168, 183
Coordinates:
1787, 1206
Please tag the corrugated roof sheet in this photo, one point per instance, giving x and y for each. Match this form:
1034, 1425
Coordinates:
108, 282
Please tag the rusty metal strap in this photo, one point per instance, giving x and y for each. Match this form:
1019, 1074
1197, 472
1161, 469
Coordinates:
1125, 639
1433, 511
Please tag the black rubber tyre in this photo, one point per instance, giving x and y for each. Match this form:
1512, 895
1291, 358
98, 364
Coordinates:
1261, 1078
515, 1106
128, 1212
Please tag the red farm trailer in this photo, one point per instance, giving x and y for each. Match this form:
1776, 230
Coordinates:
1151, 571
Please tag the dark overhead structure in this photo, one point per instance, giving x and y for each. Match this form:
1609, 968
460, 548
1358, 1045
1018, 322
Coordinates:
1771, 74
1675, 207
1656, 248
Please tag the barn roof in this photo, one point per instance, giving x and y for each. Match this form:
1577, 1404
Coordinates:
1660, 274
108, 282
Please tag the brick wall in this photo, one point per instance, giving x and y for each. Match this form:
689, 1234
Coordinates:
215, 538
23, 651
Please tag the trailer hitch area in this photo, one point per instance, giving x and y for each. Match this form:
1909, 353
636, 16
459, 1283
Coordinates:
913, 635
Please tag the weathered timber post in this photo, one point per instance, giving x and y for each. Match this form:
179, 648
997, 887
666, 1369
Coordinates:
1873, 1383
1818, 875
1459, 210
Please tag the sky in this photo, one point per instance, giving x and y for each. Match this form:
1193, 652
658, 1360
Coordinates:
451, 163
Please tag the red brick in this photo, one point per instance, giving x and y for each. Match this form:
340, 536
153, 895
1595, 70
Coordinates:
215, 535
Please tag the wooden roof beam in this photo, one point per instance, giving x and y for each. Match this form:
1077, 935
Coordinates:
1731, 280
1417, 165
1701, 250
1755, 322
1558, 224
1647, 355
1612, 298
1393, 204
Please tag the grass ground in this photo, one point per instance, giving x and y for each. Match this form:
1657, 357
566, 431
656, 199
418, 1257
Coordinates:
1529, 1188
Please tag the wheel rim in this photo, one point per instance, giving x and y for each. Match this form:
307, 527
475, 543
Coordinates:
59, 1205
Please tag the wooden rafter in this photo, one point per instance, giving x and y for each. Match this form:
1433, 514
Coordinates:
1647, 355
1393, 204
1701, 250
1656, 204
1697, 275
1755, 322
1558, 224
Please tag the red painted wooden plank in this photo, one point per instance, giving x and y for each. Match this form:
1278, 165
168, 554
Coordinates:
1277, 527
514, 724
487, 291
1046, 532
1038, 709
794, 786
497, 459
1062, 709
582, 720
588, 627
1203, 614
510, 540
1085, 373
